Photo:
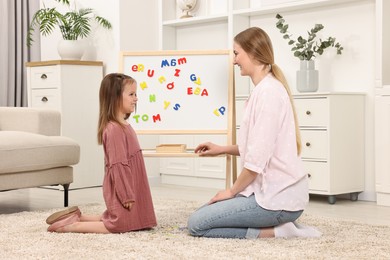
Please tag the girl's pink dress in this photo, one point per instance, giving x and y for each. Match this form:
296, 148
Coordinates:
125, 180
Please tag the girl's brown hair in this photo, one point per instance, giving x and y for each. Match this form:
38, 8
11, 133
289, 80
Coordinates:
110, 100
258, 45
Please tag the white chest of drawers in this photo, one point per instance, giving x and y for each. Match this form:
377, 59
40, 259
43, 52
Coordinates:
332, 133
72, 87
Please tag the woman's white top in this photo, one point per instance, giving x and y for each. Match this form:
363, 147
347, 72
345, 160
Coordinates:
267, 146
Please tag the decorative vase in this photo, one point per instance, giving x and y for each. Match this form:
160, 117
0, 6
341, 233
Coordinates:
307, 77
71, 49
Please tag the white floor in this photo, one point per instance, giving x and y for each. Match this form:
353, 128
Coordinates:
41, 199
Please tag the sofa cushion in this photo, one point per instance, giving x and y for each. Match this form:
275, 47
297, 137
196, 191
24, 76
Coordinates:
23, 151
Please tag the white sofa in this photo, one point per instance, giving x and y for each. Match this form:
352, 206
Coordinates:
32, 152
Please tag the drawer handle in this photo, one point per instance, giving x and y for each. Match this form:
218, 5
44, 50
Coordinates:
43, 76
44, 99
308, 112
308, 144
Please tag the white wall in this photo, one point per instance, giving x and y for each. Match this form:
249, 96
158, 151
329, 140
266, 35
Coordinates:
102, 44
135, 28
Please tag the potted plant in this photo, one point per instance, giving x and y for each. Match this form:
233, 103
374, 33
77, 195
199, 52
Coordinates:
74, 25
306, 50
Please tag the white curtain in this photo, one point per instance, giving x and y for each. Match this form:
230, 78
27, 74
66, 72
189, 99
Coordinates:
15, 16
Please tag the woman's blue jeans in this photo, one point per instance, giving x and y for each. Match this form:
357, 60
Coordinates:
239, 217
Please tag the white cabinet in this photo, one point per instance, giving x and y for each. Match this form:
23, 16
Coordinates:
72, 87
332, 132
189, 171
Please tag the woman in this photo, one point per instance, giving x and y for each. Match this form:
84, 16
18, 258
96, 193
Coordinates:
272, 190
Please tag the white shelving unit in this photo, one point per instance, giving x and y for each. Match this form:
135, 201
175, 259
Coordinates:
235, 16
382, 105
214, 25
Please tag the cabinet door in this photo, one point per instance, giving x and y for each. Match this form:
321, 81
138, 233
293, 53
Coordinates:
173, 165
177, 166
45, 77
46, 98
211, 167
312, 112
318, 174
315, 144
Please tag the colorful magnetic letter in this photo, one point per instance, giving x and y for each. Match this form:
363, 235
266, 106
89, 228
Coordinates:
219, 111
152, 98
195, 79
177, 71
139, 68
143, 85
176, 107
171, 85
156, 118
166, 104
161, 79
150, 73
144, 118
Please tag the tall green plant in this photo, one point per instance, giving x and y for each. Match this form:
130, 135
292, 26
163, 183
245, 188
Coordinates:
307, 49
74, 24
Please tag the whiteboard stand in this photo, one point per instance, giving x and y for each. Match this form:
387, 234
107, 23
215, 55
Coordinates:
184, 93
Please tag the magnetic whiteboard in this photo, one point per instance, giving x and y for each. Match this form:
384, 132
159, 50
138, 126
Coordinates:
181, 91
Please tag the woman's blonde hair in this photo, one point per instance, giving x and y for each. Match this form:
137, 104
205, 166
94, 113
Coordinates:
258, 45
110, 100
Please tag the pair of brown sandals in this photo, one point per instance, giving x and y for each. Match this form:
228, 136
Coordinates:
63, 218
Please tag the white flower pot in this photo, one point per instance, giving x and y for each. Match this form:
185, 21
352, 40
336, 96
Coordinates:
307, 77
71, 49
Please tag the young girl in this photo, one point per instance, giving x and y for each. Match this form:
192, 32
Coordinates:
125, 186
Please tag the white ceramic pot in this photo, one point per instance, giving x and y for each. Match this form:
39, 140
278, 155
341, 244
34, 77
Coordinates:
71, 49
307, 77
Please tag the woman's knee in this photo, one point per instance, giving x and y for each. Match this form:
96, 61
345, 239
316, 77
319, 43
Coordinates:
193, 225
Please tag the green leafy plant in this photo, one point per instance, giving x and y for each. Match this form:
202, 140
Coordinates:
74, 24
307, 49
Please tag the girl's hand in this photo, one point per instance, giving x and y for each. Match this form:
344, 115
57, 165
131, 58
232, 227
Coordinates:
209, 149
222, 195
128, 205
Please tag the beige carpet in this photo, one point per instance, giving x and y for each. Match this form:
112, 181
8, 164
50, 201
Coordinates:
23, 236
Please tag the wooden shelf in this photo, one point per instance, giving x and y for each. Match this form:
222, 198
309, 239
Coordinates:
188, 154
63, 62
153, 153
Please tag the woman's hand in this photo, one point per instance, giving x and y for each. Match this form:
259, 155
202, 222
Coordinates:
209, 149
128, 205
244, 179
222, 195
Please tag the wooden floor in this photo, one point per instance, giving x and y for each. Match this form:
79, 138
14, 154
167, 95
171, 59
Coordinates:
43, 198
